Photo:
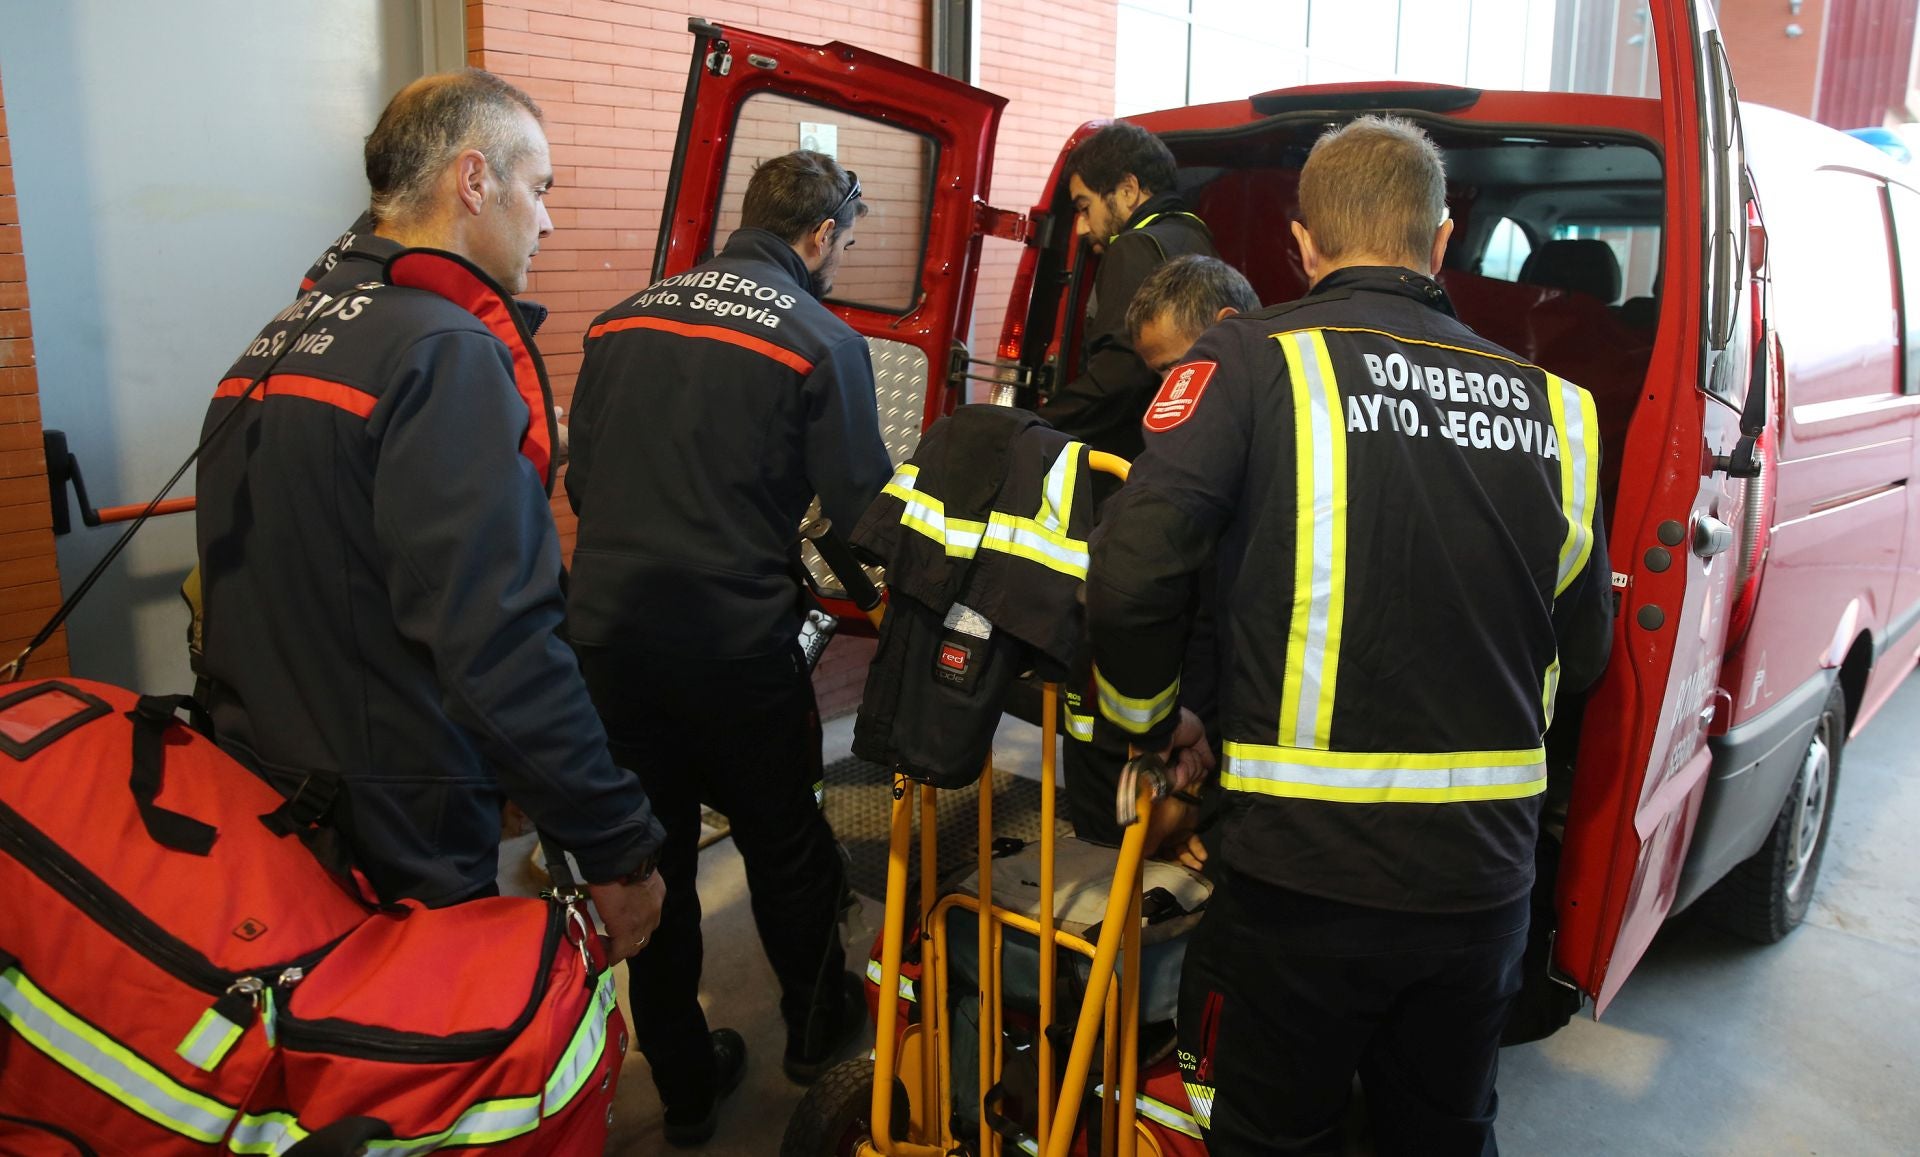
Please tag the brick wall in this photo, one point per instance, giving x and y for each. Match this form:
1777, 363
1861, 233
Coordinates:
1771, 68
1054, 83
29, 575
892, 163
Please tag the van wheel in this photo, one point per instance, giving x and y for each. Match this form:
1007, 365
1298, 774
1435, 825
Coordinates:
1767, 896
833, 1118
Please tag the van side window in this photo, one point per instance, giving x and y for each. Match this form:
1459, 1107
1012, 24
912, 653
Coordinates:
895, 168
1506, 251
1906, 225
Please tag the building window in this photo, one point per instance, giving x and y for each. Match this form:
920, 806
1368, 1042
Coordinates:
1179, 52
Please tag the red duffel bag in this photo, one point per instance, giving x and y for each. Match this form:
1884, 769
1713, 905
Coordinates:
176, 978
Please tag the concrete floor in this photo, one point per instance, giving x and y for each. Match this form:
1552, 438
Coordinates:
1716, 1046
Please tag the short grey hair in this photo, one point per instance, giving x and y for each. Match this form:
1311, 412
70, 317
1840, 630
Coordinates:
432, 121
1374, 187
1190, 292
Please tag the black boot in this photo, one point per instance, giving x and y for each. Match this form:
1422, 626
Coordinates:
690, 1125
830, 1029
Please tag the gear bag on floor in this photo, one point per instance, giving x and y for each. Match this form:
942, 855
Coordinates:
177, 979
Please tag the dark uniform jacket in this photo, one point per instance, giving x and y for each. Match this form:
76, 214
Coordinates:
711, 408
382, 580
1412, 560
984, 537
1102, 406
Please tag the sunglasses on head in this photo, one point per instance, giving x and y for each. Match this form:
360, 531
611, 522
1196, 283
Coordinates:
853, 193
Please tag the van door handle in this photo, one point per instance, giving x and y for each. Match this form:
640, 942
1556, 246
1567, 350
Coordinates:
1710, 536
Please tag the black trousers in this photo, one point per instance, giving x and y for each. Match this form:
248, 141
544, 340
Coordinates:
1284, 997
742, 737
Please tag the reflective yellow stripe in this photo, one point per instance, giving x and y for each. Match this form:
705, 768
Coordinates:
486, 1123
583, 1051
211, 1039
1135, 715
1384, 776
266, 1133
1056, 489
1160, 1112
1576, 427
107, 1065
1320, 543
1034, 539
875, 974
1080, 727
1201, 1098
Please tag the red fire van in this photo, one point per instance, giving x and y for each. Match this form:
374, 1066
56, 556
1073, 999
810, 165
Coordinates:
1730, 283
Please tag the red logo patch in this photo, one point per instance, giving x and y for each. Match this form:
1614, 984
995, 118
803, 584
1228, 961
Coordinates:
250, 929
953, 657
1178, 396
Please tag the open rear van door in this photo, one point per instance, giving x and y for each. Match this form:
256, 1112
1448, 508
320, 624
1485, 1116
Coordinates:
1643, 759
921, 145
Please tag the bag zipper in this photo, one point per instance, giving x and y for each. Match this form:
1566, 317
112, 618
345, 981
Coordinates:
346, 1038
107, 908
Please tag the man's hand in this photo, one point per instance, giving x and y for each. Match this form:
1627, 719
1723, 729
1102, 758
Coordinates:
1189, 757
630, 913
1193, 853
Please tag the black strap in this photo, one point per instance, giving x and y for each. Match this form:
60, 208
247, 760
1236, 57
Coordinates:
170, 829
344, 1138
310, 806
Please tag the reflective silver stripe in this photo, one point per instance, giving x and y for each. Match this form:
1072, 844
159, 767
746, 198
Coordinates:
211, 1039
268, 1134
107, 1065
1384, 777
960, 537
1136, 715
875, 974
1056, 505
1201, 1098
1322, 515
1160, 1112
1579, 475
583, 1051
484, 1124
1550, 691
1024, 538
1080, 727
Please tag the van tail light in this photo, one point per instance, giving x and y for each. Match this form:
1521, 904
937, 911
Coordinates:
1756, 537
1013, 331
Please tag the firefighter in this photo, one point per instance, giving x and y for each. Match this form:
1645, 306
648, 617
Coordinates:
1411, 565
711, 408
1126, 205
1169, 312
381, 571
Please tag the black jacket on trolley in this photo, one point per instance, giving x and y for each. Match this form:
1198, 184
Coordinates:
1412, 560
711, 408
382, 580
1102, 406
984, 537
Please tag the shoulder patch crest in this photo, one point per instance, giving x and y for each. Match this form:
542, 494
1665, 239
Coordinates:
1179, 396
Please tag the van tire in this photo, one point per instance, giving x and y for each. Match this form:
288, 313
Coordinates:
1767, 895
832, 1119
